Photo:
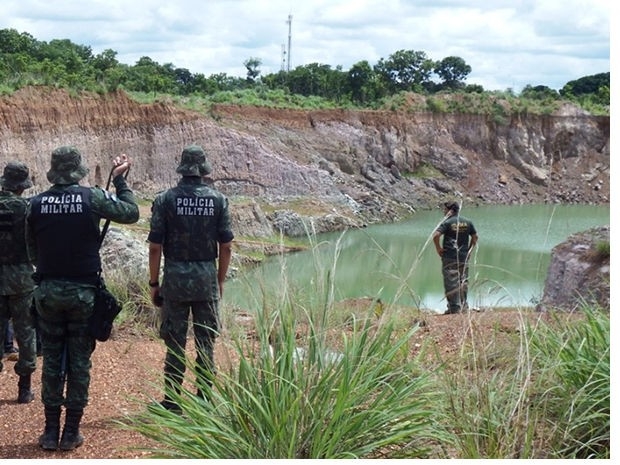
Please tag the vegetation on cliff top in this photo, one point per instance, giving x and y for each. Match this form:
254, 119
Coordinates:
26, 61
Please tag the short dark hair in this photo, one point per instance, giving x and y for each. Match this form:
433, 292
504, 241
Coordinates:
452, 206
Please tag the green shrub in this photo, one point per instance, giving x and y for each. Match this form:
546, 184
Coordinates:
603, 250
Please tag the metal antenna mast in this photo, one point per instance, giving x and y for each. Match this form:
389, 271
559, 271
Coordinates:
288, 56
283, 57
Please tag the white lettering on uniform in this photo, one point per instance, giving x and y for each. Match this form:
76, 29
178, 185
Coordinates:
195, 211
195, 206
62, 204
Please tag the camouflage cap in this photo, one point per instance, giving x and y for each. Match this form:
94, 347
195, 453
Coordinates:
66, 167
193, 162
16, 177
454, 206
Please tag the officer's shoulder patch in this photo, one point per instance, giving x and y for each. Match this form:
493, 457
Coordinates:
110, 195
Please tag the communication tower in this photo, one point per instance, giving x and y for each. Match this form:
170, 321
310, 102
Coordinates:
288, 56
283, 65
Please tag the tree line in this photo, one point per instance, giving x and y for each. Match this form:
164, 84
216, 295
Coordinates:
25, 61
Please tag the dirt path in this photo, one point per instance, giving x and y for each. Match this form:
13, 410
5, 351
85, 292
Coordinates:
126, 371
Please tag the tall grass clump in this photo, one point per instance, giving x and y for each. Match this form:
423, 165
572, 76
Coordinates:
543, 394
297, 387
603, 250
575, 362
487, 395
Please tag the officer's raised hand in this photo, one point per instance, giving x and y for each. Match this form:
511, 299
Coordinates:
122, 163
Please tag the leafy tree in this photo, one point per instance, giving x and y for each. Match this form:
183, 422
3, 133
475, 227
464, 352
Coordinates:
149, 76
336, 84
224, 82
105, 60
586, 85
252, 65
360, 79
594, 89
315, 79
275, 80
453, 71
539, 93
405, 70
474, 89
12, 42
75, 58
202, 85
183, 77
114, 77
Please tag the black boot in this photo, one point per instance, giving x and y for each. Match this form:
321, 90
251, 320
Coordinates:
24, 394
71, 437
170, 405
171, 391
49, 439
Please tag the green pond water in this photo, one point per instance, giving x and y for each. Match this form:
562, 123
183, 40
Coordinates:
398, 263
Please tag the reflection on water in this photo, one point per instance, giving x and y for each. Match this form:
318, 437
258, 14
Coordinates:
398, 262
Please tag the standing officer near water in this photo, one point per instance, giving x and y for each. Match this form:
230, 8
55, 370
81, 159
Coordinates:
191, 229
63, 237
459, 238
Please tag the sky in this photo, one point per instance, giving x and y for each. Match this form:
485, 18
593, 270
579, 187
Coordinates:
508, 43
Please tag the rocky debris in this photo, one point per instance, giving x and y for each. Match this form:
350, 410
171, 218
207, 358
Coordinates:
290, 223
250, 220
125, 252
579, 272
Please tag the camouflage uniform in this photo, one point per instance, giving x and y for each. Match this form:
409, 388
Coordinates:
63, 237
457, 232
189, 222
16, 283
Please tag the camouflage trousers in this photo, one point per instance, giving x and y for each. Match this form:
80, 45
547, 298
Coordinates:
63, 309
173, 330
18, 308
455, 277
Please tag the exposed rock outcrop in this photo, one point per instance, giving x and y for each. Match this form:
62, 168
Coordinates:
579, 272
124, 252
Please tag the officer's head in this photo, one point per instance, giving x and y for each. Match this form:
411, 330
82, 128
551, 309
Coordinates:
193, 162
452, 207
67, 166
16, 177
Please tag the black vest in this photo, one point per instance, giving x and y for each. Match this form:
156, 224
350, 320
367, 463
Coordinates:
193, 215
12, 230
66, 235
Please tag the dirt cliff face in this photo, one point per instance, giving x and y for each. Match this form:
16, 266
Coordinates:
367, 165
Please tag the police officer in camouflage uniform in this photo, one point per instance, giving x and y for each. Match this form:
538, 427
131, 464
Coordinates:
63, 236
16, 282
191, 228
459, 238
